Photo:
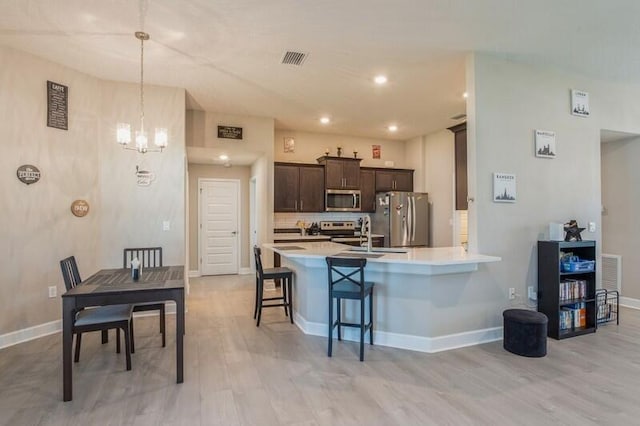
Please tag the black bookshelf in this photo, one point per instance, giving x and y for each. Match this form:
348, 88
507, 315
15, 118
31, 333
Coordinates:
550, 279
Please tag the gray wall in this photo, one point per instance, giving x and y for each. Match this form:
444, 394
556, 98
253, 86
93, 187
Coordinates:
621, 203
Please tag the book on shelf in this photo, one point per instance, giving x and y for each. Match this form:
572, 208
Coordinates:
573, 316
571, 289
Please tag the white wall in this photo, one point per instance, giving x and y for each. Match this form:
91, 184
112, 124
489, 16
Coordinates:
621, 204
309, 146
37, 228
507, 102
126, 206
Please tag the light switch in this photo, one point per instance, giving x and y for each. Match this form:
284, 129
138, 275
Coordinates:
166, 225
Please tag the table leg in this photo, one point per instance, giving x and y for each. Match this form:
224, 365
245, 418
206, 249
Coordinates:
180, 336
68, 305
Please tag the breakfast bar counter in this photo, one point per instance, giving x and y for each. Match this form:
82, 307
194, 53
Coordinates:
415, 290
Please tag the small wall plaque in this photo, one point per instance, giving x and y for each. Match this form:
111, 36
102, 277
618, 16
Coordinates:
57, 105
80, 208
229, 132
504, 188
579, 103
28, 174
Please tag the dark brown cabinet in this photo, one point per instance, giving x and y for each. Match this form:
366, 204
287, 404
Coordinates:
368, 190
341, 173
460, 132
394, 180
298, 188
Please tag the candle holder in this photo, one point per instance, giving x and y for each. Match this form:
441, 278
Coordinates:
326, 152
355, 154
339, 152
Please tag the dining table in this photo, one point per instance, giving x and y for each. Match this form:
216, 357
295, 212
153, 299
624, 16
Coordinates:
114, 287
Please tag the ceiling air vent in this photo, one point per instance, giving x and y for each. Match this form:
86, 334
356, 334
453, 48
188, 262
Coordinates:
294, 58
459, 117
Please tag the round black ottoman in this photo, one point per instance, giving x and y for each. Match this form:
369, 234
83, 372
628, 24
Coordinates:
525, 332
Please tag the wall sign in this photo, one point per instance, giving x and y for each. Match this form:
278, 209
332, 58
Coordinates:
545, 143
579, 103
229, 132
57, 105
504, 188
28, 174
144, 177
80, 208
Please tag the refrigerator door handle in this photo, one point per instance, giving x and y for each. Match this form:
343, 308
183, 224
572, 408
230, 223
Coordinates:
413, 219
409, 219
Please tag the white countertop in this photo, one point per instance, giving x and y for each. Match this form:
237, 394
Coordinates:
433, 256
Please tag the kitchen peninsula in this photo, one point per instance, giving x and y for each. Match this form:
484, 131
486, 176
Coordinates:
416, 291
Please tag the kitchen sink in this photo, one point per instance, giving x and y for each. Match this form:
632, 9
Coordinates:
379, 250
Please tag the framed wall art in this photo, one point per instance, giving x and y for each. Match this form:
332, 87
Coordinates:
545, 143
504, 188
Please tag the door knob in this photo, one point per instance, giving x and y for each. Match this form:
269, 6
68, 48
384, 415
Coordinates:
233, 232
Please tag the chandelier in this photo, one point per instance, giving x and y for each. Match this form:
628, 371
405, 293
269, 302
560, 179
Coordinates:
123, 133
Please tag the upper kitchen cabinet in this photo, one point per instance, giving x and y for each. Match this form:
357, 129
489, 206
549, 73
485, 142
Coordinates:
368, 190
341, 173
394, 180
298, 188
460, 132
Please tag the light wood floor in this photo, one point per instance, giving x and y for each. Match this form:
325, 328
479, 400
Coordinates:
237, 374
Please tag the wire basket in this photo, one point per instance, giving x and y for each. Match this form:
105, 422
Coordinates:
608, 303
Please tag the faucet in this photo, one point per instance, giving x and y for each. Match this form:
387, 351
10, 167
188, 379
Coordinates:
366, 228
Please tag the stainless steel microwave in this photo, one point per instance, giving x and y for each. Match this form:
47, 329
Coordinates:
342, 200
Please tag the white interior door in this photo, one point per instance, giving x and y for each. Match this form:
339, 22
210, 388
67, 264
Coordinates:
219, 233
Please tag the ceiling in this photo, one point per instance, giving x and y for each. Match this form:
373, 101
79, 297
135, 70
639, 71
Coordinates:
227, 53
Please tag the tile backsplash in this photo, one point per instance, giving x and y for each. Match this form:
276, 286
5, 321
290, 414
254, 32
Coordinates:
289, 220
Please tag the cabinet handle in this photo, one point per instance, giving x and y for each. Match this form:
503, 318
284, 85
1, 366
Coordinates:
301, 205
295, 207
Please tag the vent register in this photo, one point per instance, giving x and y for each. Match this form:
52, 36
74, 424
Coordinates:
294, 58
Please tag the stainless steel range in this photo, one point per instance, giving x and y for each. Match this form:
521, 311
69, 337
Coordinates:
345, 232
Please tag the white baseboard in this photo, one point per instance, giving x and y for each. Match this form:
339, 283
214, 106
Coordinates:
194, 274
407, 341
30, 333
628, 302
41, 330
245, 271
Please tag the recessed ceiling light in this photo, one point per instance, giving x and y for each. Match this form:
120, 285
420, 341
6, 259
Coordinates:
324, 120
224, 157
465, 95
392, 128
380, 79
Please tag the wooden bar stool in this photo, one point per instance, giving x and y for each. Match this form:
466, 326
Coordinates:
346, 281
279, 273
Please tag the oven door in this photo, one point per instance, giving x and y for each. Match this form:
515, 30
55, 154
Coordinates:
342, 200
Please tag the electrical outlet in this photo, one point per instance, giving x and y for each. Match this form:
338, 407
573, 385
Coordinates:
166, 225
592, 227
512, 293
531, 293
53, 291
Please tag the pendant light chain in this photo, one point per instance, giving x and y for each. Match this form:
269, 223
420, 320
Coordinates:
142, 84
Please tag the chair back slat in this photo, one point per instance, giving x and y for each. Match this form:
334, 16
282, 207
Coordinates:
70, 272
257, 252
346, 269
149, 257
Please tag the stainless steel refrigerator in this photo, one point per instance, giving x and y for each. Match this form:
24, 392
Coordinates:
403, 218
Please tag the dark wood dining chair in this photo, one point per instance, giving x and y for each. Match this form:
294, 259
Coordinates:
149, 257
346, 281
279, 273
101, 318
